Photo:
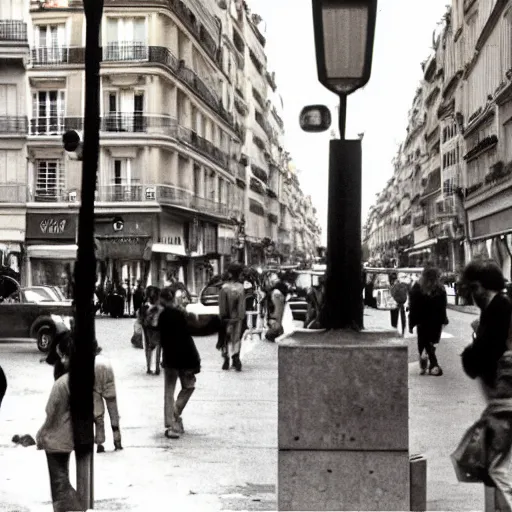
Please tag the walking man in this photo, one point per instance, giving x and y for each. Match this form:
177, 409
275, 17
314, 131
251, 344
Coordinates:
232, 315
180, 360
148, 314
488, 360
399, 291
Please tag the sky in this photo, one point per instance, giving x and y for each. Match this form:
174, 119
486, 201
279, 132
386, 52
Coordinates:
403, 39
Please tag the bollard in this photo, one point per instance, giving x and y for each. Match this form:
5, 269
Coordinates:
418, 482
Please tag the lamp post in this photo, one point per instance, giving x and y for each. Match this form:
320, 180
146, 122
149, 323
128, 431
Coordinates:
344, 33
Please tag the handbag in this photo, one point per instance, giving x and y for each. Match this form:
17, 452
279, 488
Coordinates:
470, 457
137, 335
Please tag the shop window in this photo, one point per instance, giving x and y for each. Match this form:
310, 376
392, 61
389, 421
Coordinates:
49, 180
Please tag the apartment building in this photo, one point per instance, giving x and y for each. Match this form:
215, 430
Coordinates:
14, 53
461, 180
192, 162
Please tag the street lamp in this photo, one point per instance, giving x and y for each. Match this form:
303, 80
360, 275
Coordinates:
344, 33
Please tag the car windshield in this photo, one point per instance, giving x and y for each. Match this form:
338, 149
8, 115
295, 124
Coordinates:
211, 290
39, 295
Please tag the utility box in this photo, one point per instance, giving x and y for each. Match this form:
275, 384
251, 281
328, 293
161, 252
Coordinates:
418, 482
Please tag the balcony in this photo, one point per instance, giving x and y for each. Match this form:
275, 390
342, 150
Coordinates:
13, 125
148, 194
57, 55
13, 30
239, 170
203, 146
54, 125
13, 193
265, 125
446, 208
122, 51
138, 122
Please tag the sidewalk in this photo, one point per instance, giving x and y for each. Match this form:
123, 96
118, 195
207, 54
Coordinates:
227, 460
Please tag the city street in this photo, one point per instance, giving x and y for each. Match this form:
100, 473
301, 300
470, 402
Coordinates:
227, 460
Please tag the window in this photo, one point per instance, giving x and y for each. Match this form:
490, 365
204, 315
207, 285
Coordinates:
123, 186
125, 111
48, 112
50, 44
126, 39
507, 132
49, 180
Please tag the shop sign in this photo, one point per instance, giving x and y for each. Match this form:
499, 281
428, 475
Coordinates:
131, 225
44, 226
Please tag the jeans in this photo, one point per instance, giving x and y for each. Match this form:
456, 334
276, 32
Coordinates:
394, 317
64, 496
428, 337
172, 409
500, 473
99, 418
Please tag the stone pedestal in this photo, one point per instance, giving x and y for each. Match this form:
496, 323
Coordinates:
343, 421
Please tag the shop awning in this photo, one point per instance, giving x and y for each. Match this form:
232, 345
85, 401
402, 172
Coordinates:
177, 250
52, 252
421, 246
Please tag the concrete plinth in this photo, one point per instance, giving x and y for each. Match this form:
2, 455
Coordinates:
343, 421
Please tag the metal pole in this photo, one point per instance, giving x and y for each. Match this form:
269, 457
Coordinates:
82, 361
343, 288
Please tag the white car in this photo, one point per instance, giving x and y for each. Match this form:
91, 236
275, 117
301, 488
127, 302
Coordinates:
205, 312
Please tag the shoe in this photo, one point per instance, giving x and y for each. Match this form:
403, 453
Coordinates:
423, 365
157, 372
237, 364
100, 449
436, 371
117, 445
178, 425
225, 365
171, 434
149, 372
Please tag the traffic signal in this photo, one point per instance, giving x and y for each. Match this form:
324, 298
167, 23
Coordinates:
72, 141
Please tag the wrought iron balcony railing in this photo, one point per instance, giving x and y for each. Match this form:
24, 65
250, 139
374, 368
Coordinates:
123, 193
13, 30
139, 122
57, 55
13, 124
54, 125
125, 51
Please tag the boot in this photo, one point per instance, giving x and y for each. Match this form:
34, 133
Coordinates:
225, 365
117, 438
237, 364
423, 365
436, 371
100, 449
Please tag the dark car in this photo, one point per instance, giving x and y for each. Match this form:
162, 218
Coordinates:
28, 315
303, 282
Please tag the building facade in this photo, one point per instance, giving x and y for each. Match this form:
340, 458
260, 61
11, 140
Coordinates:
191, 166
451, 187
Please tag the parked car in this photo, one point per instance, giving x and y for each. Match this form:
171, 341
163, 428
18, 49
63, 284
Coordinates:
204, 314
27, 314
297, 301
45, 294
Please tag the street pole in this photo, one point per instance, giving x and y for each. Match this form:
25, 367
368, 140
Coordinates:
343, 287
82, 360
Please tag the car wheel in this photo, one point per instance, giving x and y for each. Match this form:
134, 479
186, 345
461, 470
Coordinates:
45, 336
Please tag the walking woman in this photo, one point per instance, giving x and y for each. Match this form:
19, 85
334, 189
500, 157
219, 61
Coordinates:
427, 312
148, 314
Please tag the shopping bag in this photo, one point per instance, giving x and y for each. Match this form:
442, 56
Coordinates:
137, 335
470, 458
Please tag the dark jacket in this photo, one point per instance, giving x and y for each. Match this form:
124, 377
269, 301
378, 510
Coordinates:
480, 359
3, 385
428, 310
178, 348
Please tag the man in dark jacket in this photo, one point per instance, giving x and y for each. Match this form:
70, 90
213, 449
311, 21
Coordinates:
485, 282
180, 360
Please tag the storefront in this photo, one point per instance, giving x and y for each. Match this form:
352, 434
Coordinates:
201, 241
168, 250
12, 236
51, 249
231, 244
123, 248
490, 225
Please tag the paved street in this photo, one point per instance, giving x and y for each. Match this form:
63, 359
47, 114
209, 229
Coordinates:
227, 459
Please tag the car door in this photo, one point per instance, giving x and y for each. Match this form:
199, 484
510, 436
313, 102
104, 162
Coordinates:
11, 317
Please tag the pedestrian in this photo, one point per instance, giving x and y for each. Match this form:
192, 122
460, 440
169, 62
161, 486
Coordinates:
232, 315
55, 437
484, 281
149, 313
489, 359
399, 291
3, 385
275, 307
180, 360
138, 297
427, 312
315, 299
